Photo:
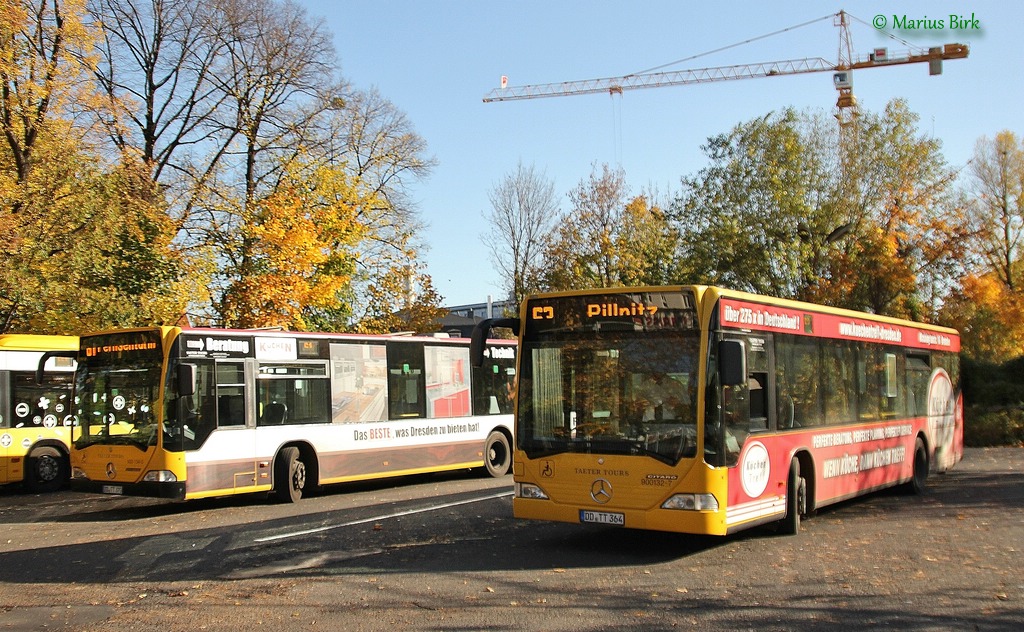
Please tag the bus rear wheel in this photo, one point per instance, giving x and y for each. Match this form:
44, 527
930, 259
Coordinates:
46, 470
796, 500
497, 454
289, 475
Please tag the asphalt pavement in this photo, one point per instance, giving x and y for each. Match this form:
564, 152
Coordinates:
444, 553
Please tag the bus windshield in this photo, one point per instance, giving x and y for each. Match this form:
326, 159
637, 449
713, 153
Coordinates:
116, 389
610, 393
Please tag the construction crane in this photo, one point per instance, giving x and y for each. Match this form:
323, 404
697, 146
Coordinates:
842, 69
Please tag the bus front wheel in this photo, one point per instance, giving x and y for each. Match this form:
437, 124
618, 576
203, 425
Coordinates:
289, 475
46, 470
497, 454
796, 500
918, 483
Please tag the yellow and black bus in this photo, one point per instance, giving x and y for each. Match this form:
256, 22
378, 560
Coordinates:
192, 413
35, 417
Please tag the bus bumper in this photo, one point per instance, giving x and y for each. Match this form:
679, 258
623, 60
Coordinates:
172, 491
693, 522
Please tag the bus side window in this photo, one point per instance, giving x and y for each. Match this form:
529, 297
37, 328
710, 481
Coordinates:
230, 394
230, 410
918, 372
758, 388
785, 410
757, 383
406, 380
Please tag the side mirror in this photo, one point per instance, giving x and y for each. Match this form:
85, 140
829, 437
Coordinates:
186, 380
732, 363
478, 340
41, 367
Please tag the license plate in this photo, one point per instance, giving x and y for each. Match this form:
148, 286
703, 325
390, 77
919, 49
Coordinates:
602, 517
113, 489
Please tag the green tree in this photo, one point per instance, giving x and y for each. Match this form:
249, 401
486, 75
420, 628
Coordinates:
759, 216
775, 213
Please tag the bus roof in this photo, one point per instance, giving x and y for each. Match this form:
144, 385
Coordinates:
168, 333
714, 293
36, 342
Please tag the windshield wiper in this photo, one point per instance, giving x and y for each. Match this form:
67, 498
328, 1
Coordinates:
119, 439
640, 448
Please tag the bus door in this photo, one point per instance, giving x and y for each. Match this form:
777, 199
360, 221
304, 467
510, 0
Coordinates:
216, 417
6, 437
744, 407
236, 420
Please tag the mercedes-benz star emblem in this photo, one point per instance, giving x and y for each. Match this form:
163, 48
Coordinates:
111, 472
601, 491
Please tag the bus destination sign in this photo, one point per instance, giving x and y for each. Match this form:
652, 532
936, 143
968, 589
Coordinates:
122, 346
644, 311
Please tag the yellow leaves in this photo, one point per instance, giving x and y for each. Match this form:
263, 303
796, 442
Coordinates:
44, 58
299, 248
989, 315
90, 248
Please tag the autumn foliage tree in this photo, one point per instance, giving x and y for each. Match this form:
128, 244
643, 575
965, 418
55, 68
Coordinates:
300, 242
988, 304
909, 221
608, 238
85, 238
775, 212
989, 316
203, 159
408, 287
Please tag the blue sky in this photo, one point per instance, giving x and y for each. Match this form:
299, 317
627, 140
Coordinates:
435, 60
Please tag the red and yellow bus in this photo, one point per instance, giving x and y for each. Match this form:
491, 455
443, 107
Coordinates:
192, 413
703, 410
35, 417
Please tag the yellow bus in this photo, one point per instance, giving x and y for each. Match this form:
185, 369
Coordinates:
35, 418
192, 413
703, 410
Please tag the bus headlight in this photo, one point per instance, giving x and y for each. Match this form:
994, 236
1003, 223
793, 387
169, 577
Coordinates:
691, 502
159, 476
77, 472
526, 490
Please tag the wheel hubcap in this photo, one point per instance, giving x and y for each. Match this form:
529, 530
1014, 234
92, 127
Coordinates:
46, 468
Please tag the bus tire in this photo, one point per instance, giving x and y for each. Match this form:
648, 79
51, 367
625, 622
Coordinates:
289, 475
497, 454
796, 500
46, 469
919, 481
